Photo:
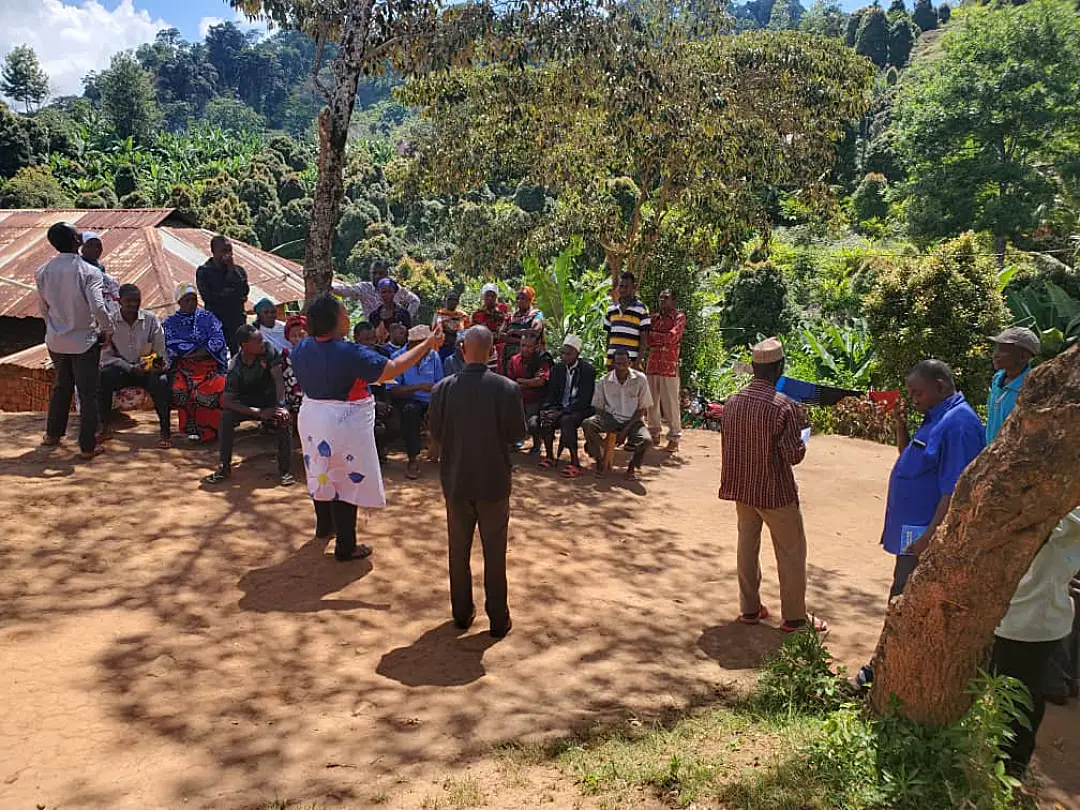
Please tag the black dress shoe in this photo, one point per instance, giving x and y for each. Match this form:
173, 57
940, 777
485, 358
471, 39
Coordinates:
465, 625
500, 631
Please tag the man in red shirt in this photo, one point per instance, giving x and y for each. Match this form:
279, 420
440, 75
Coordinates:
762, 441
664, 337
530, 369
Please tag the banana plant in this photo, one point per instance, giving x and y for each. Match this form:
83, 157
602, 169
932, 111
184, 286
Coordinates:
844, 354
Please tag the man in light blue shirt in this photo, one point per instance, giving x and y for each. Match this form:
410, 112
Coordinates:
1013, 350
412, 393
77, 324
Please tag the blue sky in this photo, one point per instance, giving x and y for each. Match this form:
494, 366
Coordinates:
74, 37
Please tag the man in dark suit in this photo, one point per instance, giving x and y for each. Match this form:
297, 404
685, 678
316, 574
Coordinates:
569, 403
475, 416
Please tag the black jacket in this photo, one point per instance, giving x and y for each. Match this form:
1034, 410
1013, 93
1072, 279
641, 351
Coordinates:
586, 385
224, 291
476, 415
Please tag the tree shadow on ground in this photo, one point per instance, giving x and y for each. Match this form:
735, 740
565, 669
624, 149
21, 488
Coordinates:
740, 646
300, 583
442, 656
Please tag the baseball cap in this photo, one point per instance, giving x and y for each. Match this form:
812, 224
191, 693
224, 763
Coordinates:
1019, 336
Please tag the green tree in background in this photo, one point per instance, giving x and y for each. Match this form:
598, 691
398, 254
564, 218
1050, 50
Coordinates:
786, 15
755, 303
825, 19
127, 97
229, 113
924, 15
901, 40
872, 39
851, 29
22, 78
981, 128
944, 304
33, 187
703, 126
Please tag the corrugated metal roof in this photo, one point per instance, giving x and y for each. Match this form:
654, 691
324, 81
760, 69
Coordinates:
34, 357
139, 248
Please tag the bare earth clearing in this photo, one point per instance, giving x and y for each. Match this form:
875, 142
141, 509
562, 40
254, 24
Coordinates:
164, 646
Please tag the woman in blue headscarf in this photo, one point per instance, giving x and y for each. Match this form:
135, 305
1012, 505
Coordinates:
198, 358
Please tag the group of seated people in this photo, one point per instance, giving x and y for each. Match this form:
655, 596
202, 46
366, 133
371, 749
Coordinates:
185, 364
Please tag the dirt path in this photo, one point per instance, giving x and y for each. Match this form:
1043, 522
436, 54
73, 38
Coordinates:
165, 646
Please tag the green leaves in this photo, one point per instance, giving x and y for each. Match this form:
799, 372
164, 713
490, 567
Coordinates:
696, 124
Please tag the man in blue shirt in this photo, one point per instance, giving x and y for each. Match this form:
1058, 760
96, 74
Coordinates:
412, 393
1013, 350
924, 477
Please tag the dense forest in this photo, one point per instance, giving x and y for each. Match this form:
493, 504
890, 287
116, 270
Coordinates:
945, 207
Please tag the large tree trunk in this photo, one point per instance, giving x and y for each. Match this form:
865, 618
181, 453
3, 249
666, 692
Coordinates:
1005, 506
333, 124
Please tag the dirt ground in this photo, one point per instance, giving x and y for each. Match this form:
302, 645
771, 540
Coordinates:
163, 646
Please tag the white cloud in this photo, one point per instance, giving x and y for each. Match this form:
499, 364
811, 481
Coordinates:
242, 22
72, 40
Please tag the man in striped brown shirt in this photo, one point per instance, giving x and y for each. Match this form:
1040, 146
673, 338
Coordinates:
761, 443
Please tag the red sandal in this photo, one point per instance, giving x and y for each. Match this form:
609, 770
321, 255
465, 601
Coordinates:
572, 471
753, 618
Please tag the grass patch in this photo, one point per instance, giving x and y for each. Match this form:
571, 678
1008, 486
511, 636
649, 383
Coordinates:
457, 794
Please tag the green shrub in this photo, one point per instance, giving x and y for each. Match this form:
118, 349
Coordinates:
755, 303
944, 305
799, 679
894, 763
125, 181
136, 199
33, 187
868, 200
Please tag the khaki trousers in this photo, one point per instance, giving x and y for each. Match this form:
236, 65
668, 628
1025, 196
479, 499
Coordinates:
789, 542
666, 407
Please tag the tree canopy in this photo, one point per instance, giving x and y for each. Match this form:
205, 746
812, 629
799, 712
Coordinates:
984, 129
22, 78
698, 126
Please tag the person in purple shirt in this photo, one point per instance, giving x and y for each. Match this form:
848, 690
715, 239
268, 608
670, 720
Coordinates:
930, 463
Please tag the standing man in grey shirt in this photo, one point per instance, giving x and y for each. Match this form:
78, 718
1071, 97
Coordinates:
76, 326
475, 416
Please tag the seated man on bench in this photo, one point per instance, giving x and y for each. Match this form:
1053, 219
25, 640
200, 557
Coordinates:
135, 358
621, 400
254, 390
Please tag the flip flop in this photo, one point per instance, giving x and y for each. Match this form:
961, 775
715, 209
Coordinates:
753, 618
546, 464
571, 471
819, 625
164, 444
97, 451
50, 441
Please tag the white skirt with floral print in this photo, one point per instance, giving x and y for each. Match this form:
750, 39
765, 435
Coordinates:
340, 458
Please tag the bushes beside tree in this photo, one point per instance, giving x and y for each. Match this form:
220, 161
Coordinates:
943, 304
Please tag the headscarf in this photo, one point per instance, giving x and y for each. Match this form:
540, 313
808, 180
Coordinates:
183, 289
263, 304
529, 293
489, 287
386, 282
293, 321
185, 332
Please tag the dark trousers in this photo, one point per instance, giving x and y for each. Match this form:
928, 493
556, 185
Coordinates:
229, 421
339, 519
113, 378
493, 517
1027, 661
902, 571
598, 425
532, 419
567, 423
412, 422
75, 372
230, 325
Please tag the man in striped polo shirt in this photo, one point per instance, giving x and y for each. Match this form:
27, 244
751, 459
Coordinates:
627, 322
761, 433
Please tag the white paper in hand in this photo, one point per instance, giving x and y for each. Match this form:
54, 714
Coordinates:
806, 436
